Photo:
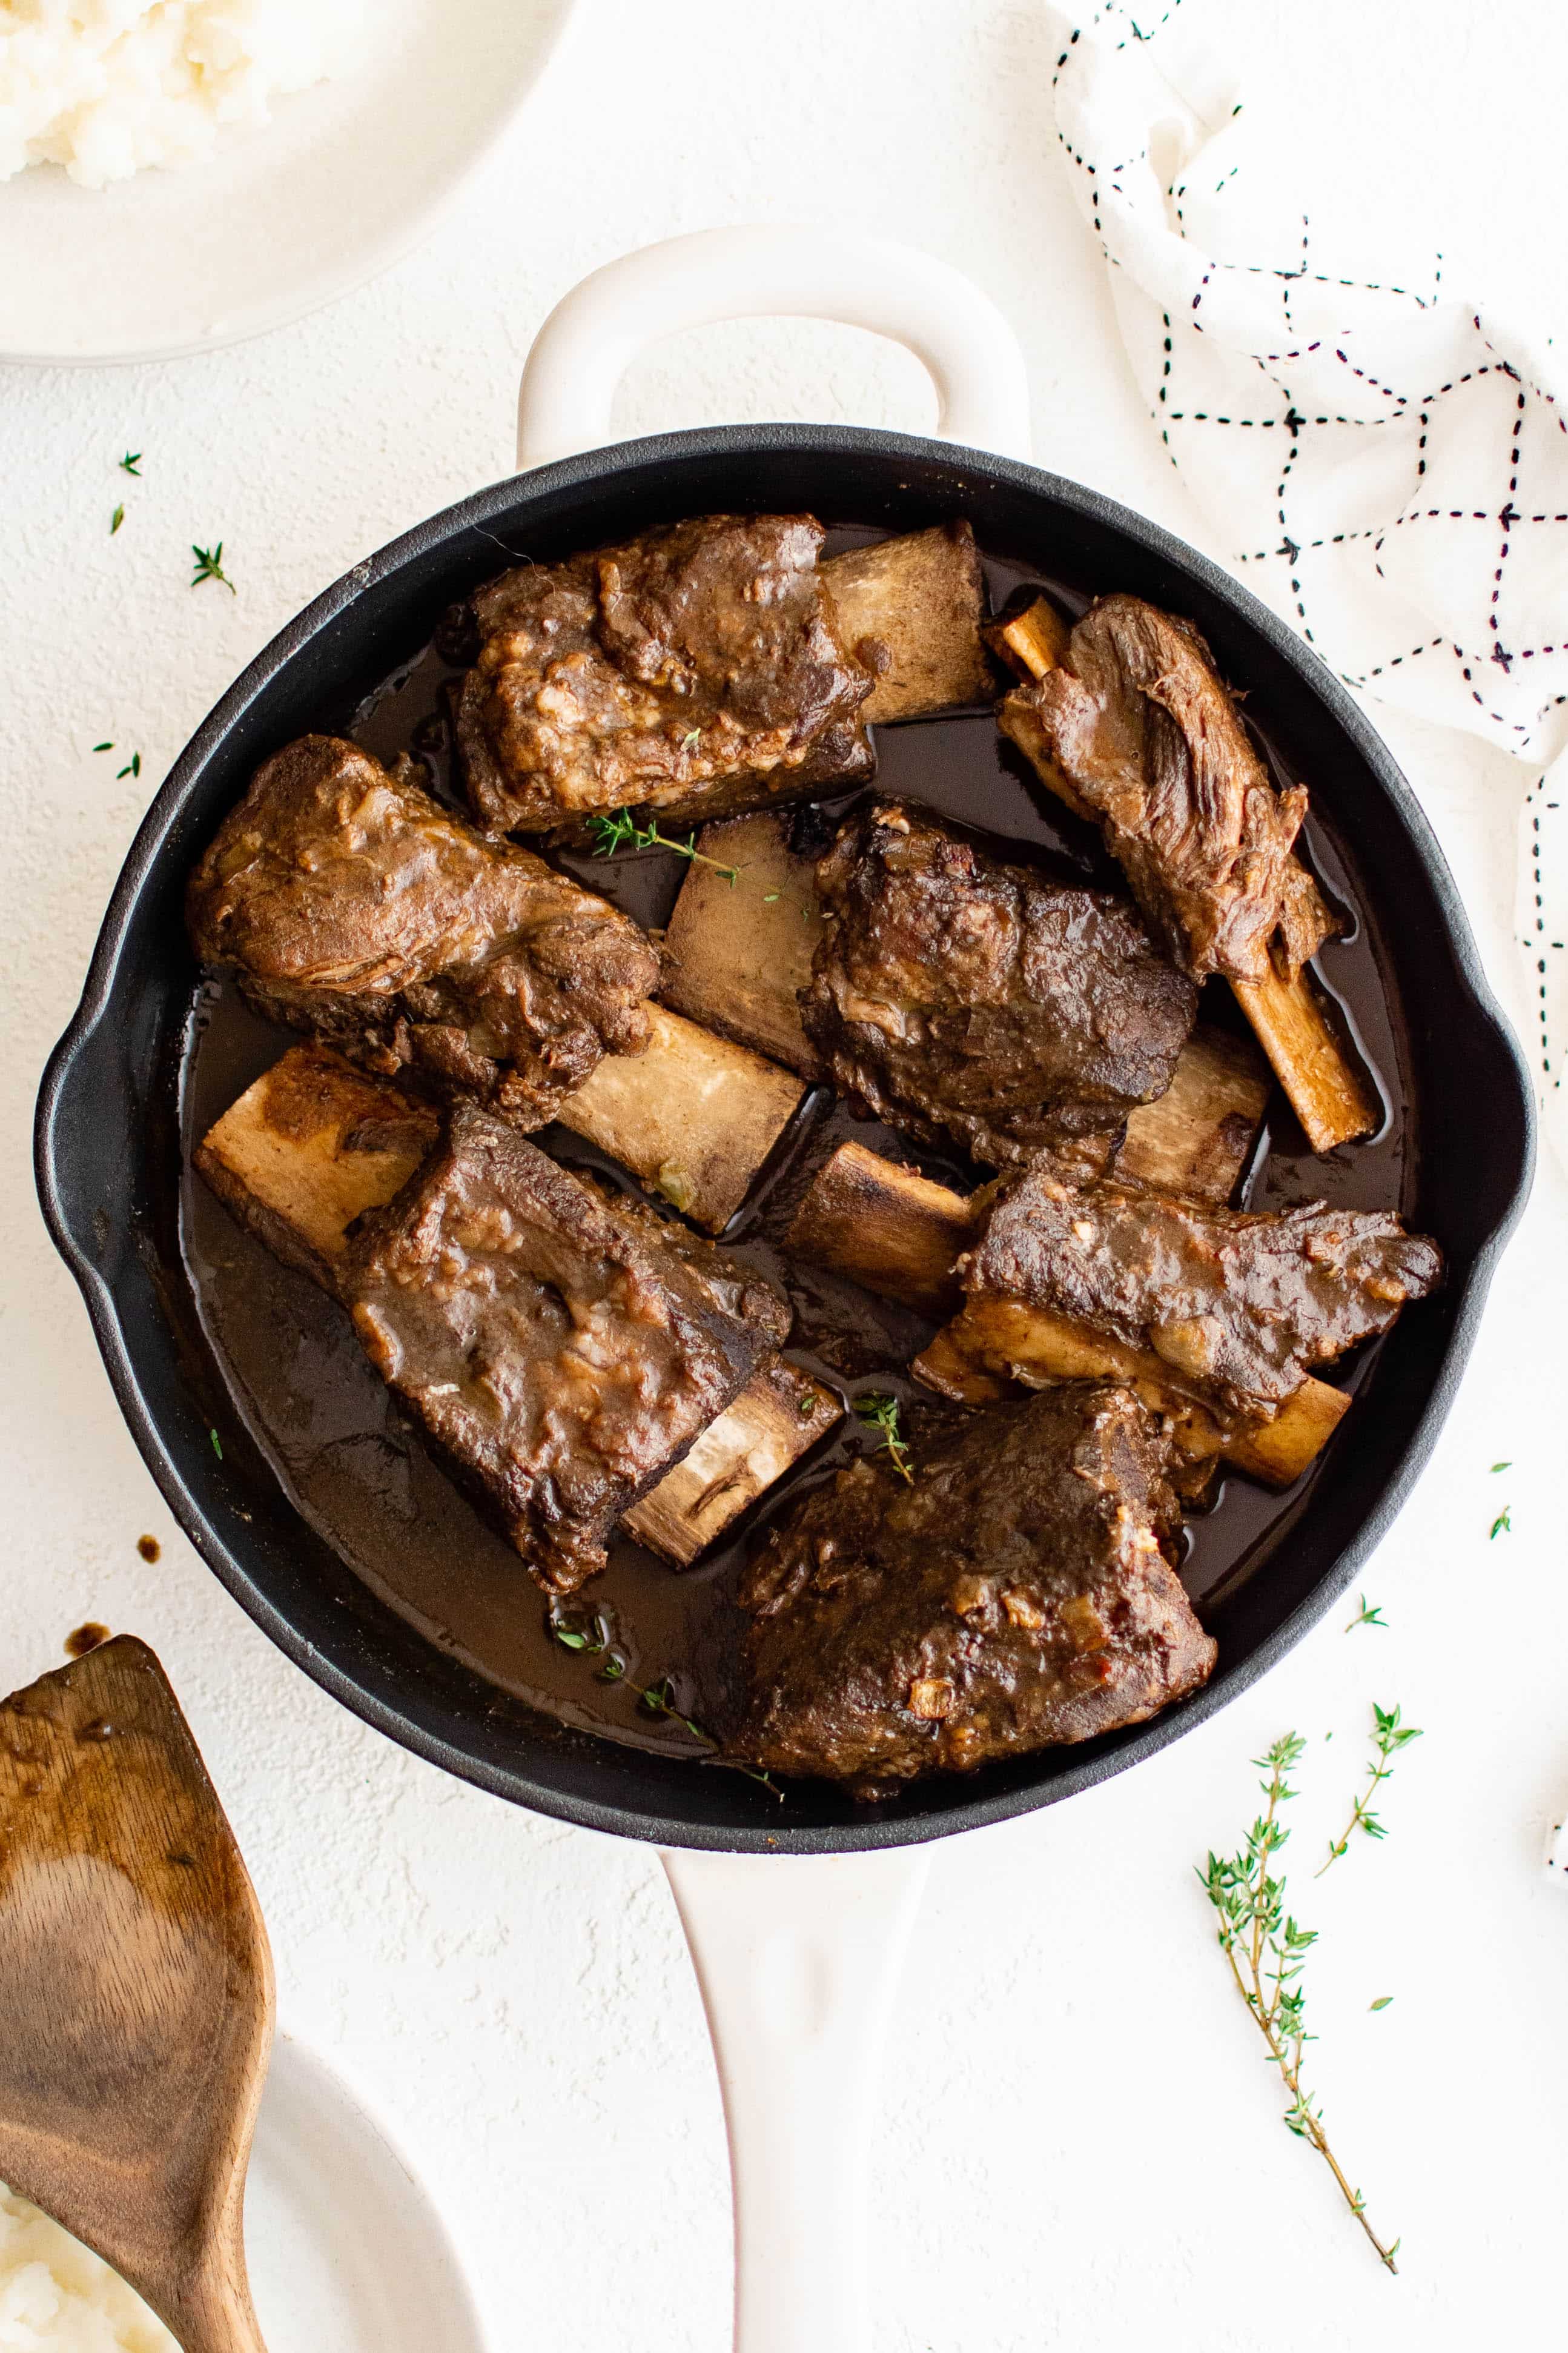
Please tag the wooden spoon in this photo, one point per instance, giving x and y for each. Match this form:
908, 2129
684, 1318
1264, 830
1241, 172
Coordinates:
135, 1989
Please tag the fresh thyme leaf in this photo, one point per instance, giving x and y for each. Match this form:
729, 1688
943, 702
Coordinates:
217, 1443
1267, 1948
658, 1698
806, 1404
132, 766
209, 566
1365, 1617
1389, 1735
882, 1413
131, 462
611, 833
103, 747
692, 735
622, 831
619, 830
1501, 1466
590, 1634
115, 520
1502, 1526
1381, 2002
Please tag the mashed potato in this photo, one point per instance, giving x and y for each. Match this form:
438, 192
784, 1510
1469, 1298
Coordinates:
57, 2297
106, 87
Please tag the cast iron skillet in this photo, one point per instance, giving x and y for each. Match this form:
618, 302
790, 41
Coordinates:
109, 1146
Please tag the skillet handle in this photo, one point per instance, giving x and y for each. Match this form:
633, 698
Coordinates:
590, 337
798, 1959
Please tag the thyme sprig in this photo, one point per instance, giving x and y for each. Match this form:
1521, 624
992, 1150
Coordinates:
1389, 1735
1365, 1617
617, 830
878, 1413
1267, 1948
209, 566
591, 1635
132, 463
622, 831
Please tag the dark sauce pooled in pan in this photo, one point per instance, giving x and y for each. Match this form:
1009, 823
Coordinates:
355, 1467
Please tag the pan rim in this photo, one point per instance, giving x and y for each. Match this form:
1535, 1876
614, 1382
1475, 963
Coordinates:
584, 473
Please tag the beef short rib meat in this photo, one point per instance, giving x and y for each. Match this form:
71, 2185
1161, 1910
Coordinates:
693, 671
1139, 724
959, 996
562, 1347
1020, 1593
355, 906
1241, 1306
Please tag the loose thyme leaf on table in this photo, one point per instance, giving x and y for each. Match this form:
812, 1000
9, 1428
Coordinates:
1503, 1525
209, 566
115, 520
1389, 1736
593, 1635
882, 1413
1365, 1617
1267, 1949
132, 463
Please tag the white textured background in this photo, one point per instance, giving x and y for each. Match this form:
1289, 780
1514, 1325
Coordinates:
1080, 2139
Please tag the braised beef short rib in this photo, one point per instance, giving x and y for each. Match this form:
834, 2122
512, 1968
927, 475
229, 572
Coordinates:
1019, 1593
959, 996
692, 671
1241, 1306
562, 1346
1140, 727
354, 906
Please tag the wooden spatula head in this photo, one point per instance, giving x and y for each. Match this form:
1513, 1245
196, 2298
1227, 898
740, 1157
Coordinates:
135, 1989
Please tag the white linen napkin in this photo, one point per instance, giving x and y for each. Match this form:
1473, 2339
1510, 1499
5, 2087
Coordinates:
1386, 463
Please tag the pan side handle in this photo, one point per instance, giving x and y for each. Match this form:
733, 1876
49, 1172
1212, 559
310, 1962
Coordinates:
594, 334
798, 1960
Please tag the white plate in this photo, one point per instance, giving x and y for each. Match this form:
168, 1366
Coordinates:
343, 181
346, 2252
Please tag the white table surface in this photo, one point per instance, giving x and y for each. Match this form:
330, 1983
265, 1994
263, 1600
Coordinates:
1080, 2139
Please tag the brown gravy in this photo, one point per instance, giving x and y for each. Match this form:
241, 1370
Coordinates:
360, 1475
